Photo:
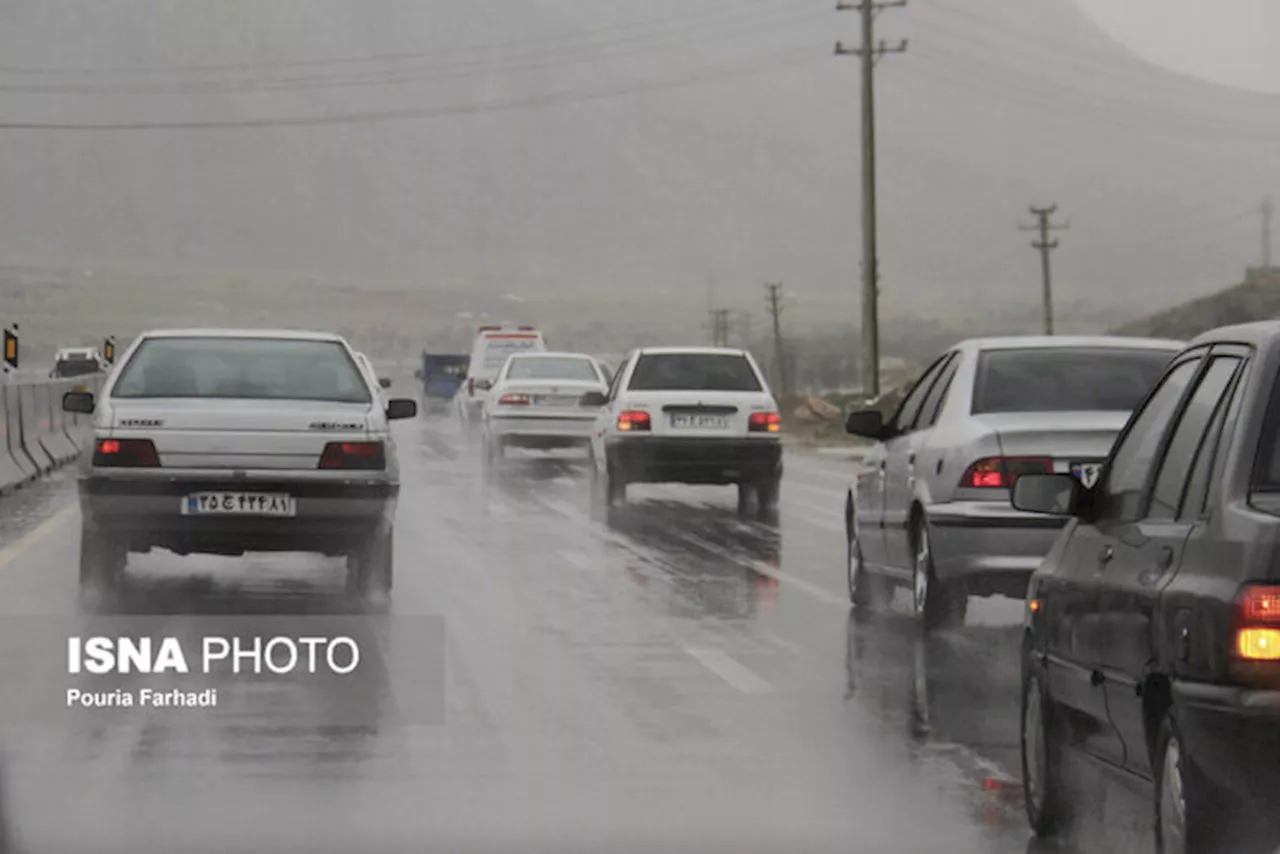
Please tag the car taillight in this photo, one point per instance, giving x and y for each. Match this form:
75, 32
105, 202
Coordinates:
126, 453
764, 422
514, 399
1001, 472
633, 420
1258, 630
365, 456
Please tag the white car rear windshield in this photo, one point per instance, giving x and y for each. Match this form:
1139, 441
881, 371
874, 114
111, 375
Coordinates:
496, 350
694, 372
1076, 379
253, 368
552, 368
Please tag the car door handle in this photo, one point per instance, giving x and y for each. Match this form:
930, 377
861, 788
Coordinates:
1096, 678
1106, 554
1166, 558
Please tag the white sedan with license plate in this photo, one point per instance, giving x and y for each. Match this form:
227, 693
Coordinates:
699, 415
537, 402
232, 441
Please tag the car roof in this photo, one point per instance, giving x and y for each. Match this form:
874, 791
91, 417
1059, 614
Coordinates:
1258, 333
698, 351
1019, 342
285, 334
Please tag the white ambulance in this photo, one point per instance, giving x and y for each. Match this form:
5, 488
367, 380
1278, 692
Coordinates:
493, 345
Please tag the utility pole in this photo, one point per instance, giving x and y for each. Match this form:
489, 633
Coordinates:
773, 298
1045, 245
869, 52
720, 325
1268, 212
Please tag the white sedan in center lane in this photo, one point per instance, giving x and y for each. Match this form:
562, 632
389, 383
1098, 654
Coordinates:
536, 402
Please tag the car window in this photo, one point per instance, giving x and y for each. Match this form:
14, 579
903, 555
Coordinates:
933, 401
1130, 468
552, 368
693, 372
1208, 399
1066, 379
1206, 476
254, 368
905, 417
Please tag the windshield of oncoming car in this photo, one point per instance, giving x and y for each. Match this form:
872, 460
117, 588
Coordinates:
257, 368
552, 368
1066, 379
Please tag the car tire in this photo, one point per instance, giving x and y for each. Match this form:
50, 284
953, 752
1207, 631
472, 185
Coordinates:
102, 560
1044, 795
1198, 814
863, 586
371, 568
767, 493
936, 604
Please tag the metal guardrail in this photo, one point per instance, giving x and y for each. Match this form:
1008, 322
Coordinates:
36, 436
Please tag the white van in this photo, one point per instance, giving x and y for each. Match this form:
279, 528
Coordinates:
493, 345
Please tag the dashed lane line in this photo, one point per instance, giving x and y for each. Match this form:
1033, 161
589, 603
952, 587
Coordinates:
731, 671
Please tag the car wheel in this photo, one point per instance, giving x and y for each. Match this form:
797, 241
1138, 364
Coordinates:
934, 603
767, 498
861, 583
102, 560
370, 569
1042, 789
1185, 802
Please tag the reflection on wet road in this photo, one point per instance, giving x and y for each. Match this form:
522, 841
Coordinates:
663, 676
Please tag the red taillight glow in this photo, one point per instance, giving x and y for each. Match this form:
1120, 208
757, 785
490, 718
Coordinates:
514, 400
1260, 604
634, 419
1001, 472
489, 328
126, 453
1258, 623
368, 456
764, 422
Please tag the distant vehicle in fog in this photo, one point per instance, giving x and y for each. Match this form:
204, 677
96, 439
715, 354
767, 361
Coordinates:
442, 374
76, 362
231, 441
1152, 635
693, 415
930, 508
493, 344
536, 402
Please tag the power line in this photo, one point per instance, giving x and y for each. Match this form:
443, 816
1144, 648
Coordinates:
797, 59
1045, 246
870, 52
721, 324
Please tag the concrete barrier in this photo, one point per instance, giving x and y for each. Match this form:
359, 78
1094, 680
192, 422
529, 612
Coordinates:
16, 468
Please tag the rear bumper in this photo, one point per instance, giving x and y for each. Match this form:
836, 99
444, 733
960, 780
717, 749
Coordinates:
657, 459
989, 546
1230, 735
516, 428
332, 516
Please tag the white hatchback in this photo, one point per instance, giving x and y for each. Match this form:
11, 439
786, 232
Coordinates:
695, 415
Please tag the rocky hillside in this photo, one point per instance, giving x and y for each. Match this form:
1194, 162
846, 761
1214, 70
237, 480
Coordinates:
1258, 298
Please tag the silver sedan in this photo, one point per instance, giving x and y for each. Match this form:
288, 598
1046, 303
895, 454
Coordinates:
930, 507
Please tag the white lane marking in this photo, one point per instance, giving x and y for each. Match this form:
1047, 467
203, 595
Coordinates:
13, 551
731, 671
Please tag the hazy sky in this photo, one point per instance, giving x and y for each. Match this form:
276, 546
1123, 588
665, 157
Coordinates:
610, 147
1232, 42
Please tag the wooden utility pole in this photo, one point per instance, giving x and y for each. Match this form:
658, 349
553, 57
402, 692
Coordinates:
1045, 246
869, 52
773, 299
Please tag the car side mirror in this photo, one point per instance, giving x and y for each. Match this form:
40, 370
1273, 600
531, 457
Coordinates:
593, 398
1054, 494
384, 382
400, 408
484, 385
867, 423
78, 401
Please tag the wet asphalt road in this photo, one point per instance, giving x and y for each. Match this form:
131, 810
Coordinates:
666, 679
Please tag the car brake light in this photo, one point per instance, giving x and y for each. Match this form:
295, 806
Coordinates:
764, 422
525, 328
1258, 632
126, 453
633, 419
365, 456
489, 328
514, 399
1001, 472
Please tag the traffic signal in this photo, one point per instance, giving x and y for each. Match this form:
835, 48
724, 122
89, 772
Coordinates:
11, 348
109, 351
